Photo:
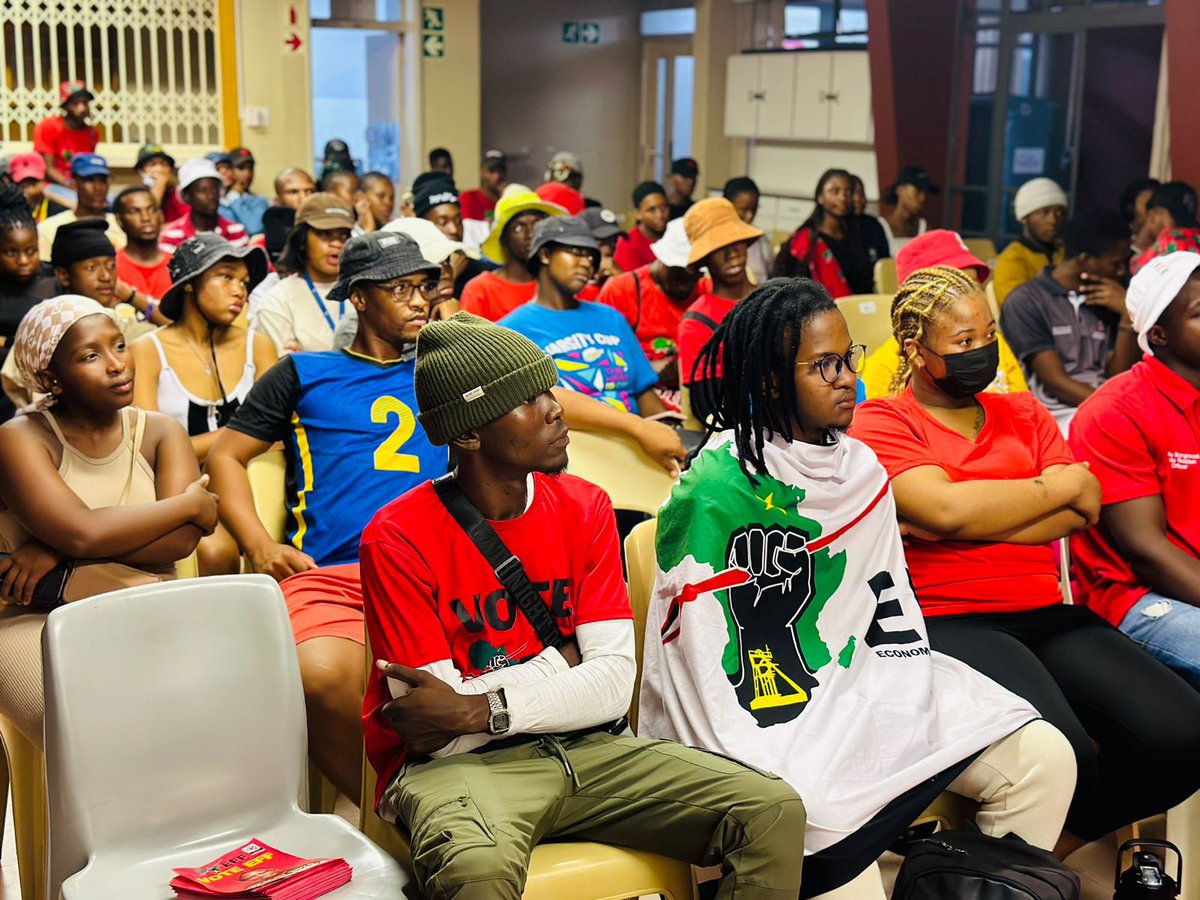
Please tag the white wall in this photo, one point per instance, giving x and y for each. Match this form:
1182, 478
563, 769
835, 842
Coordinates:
541, 95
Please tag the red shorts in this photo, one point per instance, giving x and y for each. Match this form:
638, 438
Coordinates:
326, 602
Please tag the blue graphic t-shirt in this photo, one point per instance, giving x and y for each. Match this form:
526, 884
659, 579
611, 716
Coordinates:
594, 348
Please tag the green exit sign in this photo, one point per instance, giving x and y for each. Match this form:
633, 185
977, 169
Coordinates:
581, 32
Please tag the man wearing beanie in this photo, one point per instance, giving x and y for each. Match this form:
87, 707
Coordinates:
633, 249
351, 443
1040, 205
469, 705
1140, 434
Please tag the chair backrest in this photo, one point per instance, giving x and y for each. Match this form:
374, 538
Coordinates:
989, 291
886, 280
869, 317
173, 711
616, 463
267, 474
641, 566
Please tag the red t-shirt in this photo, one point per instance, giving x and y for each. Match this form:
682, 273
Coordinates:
633, 251
1140, 433
429, 595
493, 297
653, 316
695, 330
51, 135
1019, 440
152, 280
475, 204
176, 232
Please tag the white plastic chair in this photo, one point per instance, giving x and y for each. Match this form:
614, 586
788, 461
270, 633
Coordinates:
175, 730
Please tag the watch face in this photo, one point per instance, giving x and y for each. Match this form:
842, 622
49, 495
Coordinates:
500, 723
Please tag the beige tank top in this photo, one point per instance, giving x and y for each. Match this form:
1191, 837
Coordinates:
119, 479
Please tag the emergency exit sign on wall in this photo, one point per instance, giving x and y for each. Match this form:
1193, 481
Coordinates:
581, 32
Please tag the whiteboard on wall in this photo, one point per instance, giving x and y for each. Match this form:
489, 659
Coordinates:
793, 169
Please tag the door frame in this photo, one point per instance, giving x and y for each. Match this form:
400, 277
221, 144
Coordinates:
654, 49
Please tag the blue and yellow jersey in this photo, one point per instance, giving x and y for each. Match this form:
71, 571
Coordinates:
352, 442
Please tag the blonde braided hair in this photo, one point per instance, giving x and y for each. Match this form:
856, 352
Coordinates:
923, 296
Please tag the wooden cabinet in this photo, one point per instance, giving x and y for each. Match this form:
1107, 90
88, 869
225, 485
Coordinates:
817, 96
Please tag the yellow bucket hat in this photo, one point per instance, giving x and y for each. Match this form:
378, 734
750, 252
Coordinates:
507, 207
712, 224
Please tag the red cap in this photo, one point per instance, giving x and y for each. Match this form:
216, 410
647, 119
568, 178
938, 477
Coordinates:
27, 165
557, 192
69, 89
938, 248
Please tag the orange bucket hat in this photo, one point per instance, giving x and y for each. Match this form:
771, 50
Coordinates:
712, 224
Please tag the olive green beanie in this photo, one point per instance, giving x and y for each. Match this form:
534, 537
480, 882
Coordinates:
471, 371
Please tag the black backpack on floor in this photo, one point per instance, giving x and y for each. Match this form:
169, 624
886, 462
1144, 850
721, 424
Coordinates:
967, 865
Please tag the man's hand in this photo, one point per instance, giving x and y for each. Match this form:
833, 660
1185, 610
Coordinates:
23, 569
1103, 292
281, 561
661, 443
432, 713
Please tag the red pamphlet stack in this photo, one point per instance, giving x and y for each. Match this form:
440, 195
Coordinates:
257, 871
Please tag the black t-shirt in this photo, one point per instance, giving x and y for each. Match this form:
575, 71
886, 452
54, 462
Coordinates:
16, 300
266, 413
856, 264
678, 209
874, 240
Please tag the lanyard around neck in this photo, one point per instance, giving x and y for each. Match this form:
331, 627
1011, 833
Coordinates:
321, 303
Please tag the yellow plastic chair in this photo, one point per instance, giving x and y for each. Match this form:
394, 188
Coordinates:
618, 465
869, 317
641, 567
886, 280
984, 248
989, 291
267, 474
26, 775
690, 422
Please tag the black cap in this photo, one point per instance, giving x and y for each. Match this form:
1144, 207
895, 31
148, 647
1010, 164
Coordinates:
603, 222
917, 177
686, 166
569, 231
82, 239
197, 255
1179, 199
241, 156
431, 192
338, 154
277, 222
494, 159
379, 256
148, 152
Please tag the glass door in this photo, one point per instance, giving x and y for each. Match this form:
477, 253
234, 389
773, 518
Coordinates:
667, 87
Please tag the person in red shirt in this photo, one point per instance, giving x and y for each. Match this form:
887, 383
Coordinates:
142, 273
156, 167
606, 230
494, 294
829, 247
654, 298
1171, 225
720, 241
200, 187
487, 739
59, 138
633, 250
984, 483
493, 179
1140, 434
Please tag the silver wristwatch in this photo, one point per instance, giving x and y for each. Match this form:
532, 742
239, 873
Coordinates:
499, 721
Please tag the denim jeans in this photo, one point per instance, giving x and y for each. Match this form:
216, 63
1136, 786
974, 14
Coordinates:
1170, 631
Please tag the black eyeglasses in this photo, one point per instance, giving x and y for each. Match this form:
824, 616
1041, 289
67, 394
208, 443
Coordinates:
402, 290
830, 365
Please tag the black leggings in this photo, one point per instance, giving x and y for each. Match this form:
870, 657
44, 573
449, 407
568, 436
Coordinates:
1093, 684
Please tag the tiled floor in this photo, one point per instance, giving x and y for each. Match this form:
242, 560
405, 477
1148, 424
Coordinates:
1094, 862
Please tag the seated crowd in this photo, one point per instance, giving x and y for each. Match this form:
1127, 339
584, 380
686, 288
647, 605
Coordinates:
422, 369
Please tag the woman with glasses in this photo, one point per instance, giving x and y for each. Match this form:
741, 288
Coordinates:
605, 382
783, 630
984, 485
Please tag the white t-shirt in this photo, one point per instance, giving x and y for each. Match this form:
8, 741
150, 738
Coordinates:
291, 315
895, 243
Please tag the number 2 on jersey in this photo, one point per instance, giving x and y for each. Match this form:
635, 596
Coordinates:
387, 455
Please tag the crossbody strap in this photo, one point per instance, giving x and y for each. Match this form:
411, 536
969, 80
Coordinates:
505, 564
702, 319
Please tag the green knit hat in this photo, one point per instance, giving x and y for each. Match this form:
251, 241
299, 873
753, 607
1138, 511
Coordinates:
471, 371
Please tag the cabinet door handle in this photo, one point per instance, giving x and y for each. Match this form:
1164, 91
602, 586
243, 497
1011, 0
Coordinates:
832, 96
758, 95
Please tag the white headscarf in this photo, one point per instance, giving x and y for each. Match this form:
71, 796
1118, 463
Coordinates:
40, 332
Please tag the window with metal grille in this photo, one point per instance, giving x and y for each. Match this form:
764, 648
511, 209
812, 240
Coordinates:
153, 65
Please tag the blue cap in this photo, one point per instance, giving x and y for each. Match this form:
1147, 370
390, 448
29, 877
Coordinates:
217, 157
85, 165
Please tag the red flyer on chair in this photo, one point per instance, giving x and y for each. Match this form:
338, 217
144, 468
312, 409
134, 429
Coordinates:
257, 871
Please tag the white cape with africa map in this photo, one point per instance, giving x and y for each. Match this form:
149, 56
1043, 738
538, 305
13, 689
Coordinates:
783, 631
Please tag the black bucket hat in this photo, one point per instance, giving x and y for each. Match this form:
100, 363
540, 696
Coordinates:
569, 231
379, 256
196, 256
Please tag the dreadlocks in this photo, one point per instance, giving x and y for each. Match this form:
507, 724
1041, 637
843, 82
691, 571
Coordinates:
14, 210
745, 370
924, 294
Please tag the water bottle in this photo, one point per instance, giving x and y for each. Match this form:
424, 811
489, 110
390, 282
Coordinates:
1146, 878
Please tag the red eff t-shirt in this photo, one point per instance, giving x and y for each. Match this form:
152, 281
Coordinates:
633, 251
653, 316
153, 280
695, 330
429, 595
51, 135
1019, 440
1140, 434
475, 204
493, 297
